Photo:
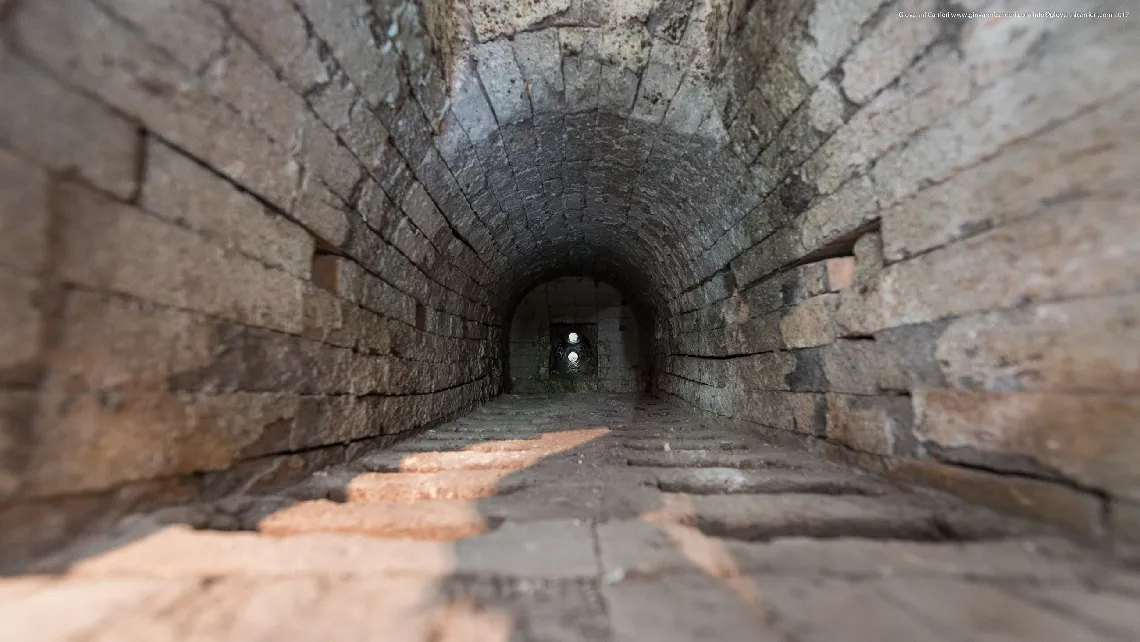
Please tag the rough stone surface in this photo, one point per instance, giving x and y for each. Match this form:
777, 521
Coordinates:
722, 564
242, 241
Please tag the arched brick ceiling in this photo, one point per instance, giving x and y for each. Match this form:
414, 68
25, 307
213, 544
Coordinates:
588, 139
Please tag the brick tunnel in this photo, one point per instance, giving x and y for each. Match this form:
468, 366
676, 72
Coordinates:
631, 320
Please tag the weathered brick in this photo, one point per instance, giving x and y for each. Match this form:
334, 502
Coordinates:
1085, 156
17, 411
118, 248
21, 324
24, 217
503, 81
1049, 90
540, 60
1033, 433
109, 342
659, 82
105, 57
810, 323
1082, 345
1077, 249
375, 70
66, 131
94, 441
280, 33
880, 425
193, 31
888, 49
182, 191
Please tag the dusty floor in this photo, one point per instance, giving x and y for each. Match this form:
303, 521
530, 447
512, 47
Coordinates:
577, 518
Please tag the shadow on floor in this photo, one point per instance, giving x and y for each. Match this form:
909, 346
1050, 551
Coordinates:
579, 517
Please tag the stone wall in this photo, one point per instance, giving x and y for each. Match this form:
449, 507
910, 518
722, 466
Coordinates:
941, 279
227, 258
576, 300
243, 238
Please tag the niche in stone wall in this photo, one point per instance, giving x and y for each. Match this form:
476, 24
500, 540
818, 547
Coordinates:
575, 334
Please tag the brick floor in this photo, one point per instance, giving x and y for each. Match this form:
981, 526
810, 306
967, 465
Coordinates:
623, 519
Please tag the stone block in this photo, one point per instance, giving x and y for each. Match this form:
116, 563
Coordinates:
97, 441
617, 89
868, 256
17, 416
23, 214
422, 210
540, 60
324, 156
755, 126
22, 327
1053, 87
372, 68
581, 68
493, 19
880, 425
1082, 248
193, 32
810, 323
888, 49
107, 58
1033, 433
784, 88
1078, 513
503, 81
182, 191
991, 51
114, 343
1081, 345
791, 411
279, 31
840, 215
1025, 179
245, 81
691, 106
117, 248
856, 367
322, 213
840, 272
667, 65
348, 280
63, 130
807, 129
933, 86
834, 26
1124, 528
766, 371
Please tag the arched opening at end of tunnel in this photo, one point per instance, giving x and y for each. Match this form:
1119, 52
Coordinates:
577, 334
